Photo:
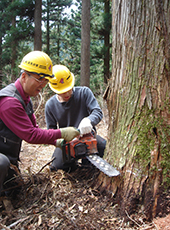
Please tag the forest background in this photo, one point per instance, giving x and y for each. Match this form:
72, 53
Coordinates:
61, 37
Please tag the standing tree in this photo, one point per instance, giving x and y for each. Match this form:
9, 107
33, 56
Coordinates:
13, 50
107, 28
55, 18
71, 52
48, 27
85, 44
37, 22
4, 25
101, 26
139, 106
16, 17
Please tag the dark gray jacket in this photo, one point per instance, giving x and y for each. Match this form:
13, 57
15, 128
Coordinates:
81, 104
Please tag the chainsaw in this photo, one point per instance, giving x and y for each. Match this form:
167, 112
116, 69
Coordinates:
86, 147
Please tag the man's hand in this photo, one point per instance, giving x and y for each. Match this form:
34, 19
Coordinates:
85, 126
59, 143
69, 133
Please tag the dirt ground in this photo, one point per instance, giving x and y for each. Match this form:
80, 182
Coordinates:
60, 200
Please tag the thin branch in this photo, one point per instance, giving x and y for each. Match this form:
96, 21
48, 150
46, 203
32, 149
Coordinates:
46, 165
4, 227
132, 219
16, 222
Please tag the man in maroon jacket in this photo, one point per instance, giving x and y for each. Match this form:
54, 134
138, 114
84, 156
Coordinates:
17, 120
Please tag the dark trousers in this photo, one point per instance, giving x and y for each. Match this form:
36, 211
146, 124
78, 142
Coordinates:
59, 164
4, 167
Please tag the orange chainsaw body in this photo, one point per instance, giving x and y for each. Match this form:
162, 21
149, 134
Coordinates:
86, 147
80, 147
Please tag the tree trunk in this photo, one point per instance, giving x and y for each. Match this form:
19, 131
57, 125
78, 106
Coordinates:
85, 44
58, 42
48, 28
37, 21
13, 53
107, 42
138, 103
1, 62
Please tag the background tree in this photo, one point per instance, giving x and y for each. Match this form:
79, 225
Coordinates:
13, 49
17, 26
37, 22
55, 18
71, 49
101, 27
138, 102
107, 29
85, 43
100, 52
3, 26
61, 37
47, 27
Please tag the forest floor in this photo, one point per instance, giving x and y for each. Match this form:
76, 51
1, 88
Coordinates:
60, 200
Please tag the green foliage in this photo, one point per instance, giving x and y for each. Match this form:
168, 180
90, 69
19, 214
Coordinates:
54, 13
65, 42
21, 14
65, 35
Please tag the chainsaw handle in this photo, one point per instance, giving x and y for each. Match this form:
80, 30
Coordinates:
94, 132
81, 136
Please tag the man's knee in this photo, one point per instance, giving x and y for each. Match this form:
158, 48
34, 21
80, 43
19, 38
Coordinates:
58, 160
4, 164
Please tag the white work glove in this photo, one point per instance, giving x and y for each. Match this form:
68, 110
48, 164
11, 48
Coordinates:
85, 126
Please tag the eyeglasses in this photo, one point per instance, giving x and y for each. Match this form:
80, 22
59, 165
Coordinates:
40, 80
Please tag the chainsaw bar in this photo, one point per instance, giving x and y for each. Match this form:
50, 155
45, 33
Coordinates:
103, 165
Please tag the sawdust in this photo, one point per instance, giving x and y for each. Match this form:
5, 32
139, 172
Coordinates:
61, 200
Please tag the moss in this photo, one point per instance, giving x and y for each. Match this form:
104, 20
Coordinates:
152, 131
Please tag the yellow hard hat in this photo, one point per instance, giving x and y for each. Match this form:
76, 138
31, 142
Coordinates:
37, 62
63, 79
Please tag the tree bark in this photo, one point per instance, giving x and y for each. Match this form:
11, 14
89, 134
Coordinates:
48, 28
85, 44
37, 21
138, 103
1, 62
107, 42
13, 53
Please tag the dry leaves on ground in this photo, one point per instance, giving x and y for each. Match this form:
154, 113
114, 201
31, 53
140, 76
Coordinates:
61, 200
